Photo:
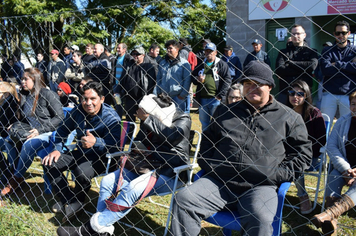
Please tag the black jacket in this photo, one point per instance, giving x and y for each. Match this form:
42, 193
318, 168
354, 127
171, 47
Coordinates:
48, 111
99, 69
141, 85
245, 148
295, 63
8, 114
171, 143
222, 78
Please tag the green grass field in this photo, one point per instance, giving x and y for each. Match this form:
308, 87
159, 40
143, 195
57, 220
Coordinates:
28, 212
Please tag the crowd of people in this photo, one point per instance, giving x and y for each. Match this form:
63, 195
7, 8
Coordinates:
252, 141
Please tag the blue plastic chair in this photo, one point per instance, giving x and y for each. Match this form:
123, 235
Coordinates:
229, 220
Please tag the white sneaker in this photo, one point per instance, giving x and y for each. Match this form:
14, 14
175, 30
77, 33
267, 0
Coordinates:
58, 207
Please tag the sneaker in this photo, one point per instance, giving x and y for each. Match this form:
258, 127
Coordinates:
305, 205
58, 207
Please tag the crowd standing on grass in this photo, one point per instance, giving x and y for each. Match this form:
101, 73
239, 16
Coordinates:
236, 111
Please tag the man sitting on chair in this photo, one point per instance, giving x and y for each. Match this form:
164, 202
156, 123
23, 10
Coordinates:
250, 148
98, 132
164, 132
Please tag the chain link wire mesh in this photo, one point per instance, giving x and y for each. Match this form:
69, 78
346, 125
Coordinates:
31, 27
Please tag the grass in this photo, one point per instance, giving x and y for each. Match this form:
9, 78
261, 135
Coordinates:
28, 212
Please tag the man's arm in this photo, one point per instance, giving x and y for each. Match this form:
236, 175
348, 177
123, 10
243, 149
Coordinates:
186, 80
225, 83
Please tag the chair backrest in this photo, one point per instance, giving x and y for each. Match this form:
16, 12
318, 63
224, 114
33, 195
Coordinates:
128, 129
327, 124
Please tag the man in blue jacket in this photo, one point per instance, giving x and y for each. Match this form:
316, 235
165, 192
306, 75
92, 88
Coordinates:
338, 65
233, 62
98, 132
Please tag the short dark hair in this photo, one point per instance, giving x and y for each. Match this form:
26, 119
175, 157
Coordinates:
163, 100
153, 46
96, 86
90, 45
297, 25
172, 42
342, 23
79, 53
183, 41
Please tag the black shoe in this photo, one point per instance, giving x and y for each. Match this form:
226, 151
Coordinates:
84, 230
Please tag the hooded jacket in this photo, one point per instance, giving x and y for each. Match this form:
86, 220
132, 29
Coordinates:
295, 63
222, 78
244, 147
234, 64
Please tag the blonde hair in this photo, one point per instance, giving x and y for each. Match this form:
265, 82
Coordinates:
10, 88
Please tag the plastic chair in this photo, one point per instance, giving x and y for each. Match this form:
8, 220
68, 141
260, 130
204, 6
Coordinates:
229, 220
177, 170
322, 168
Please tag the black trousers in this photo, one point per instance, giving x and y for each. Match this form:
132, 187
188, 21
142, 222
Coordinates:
84, 168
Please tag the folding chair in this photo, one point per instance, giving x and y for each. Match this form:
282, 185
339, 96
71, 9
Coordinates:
177, 170
229, 220
322, 168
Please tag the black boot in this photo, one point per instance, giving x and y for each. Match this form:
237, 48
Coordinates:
84, 230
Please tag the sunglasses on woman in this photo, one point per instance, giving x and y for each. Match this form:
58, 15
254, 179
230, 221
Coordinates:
292, 93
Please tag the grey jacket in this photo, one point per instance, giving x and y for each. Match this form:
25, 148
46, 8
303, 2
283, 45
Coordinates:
56, 71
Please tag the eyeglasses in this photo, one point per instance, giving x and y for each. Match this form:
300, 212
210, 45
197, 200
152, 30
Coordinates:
337, 33
59, 90
297, 34
292, 93
135, 54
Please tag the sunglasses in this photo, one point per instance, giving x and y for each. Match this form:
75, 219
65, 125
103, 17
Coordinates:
337, 33
292, 93
135, 54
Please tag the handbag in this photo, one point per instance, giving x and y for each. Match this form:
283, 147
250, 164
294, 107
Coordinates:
141, 162
19, 131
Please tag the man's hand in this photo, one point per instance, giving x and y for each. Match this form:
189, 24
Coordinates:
88, 141
201, 78
34, 133
50, 158
141, 114
349, 176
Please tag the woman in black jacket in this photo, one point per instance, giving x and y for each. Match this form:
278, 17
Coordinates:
9, 104
42, 110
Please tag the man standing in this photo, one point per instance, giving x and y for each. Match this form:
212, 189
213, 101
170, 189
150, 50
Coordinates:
56, 70
139, 80
233, 62
67, 52
173, 76
296, 62
98, 132
121, 65
213, 79
201, 54
250, 148
257, 53
100, 71
42, 66
153, 52
338, 66
89, 53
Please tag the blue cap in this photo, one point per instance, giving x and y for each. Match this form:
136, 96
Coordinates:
257, 41
210, 46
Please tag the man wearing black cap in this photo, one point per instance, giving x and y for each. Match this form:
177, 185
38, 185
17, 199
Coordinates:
250, 148
296, 62
233, 62
257, 53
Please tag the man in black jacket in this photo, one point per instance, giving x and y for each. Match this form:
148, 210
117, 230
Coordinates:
99, 69
250, 148
138, 80
297, 61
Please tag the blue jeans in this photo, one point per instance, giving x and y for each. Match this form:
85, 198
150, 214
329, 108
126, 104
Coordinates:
131, 190
335, 184
330, 102
184, 104
206, 110
22, 162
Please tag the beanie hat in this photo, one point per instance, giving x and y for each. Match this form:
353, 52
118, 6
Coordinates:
152, 107
65, 87
260, 72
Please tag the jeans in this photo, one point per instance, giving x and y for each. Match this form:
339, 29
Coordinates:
335, 184
206, 110
206, 196
330, 103
300, 183
20, 163
131, 190
184, 104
